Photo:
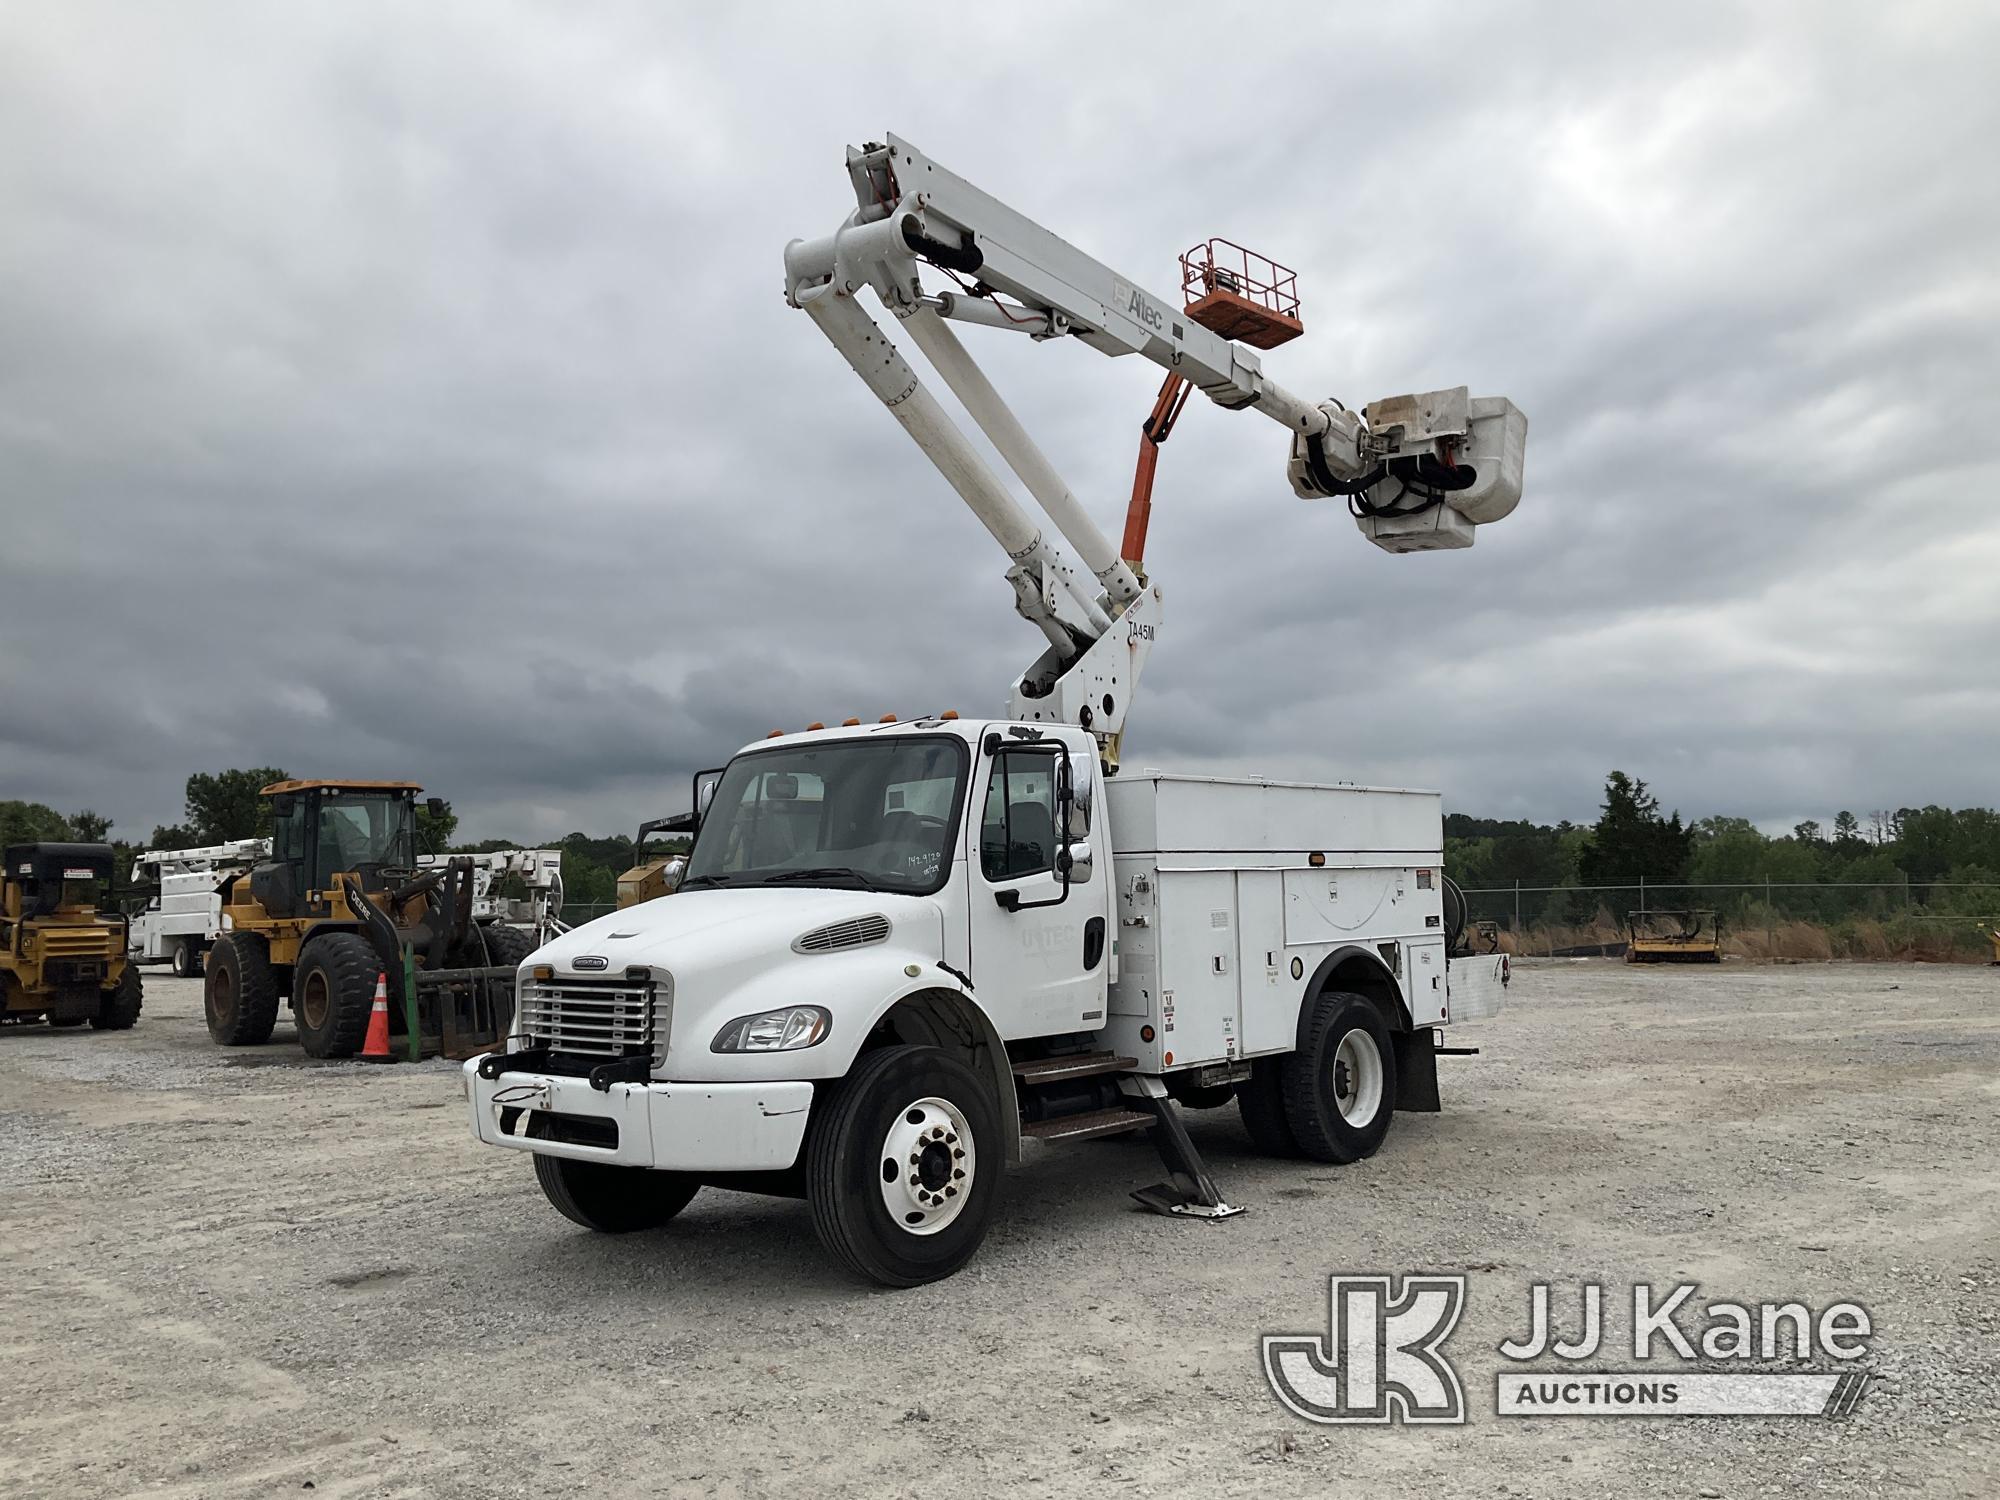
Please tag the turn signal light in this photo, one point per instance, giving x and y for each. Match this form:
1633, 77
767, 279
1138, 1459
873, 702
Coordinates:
543, 971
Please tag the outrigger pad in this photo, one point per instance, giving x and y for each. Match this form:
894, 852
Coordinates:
1189, 1192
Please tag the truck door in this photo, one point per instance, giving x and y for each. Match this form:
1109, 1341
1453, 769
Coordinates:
1039, 969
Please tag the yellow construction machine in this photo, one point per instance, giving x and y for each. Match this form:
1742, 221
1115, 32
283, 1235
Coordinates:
341, 902
62, 947
659, 875
1677, 936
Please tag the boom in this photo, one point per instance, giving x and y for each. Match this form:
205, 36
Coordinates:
1419, 472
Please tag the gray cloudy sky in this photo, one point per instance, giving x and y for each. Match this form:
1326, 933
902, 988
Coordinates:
393, 390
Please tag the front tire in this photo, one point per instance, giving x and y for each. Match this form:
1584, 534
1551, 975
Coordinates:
903, 1164
333, 990
119, 1010
239, 997
613, 1200
1340, 1086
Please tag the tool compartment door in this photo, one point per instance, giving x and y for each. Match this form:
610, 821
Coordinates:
1268, 994
1199, 1011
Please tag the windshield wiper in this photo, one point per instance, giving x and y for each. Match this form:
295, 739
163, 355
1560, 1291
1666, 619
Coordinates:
820, 874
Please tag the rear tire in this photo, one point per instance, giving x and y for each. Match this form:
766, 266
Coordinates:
187, 959
119, 1010
504, 946
239, 998
903, 1162
1340, 1086
333, 990
613, 1200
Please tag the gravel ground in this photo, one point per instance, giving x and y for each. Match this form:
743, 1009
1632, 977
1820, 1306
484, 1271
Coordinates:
239, 1274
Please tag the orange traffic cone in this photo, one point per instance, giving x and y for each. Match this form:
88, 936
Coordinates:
376, 1048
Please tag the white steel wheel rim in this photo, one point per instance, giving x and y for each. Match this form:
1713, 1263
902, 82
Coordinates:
1357, 1077
926, 1166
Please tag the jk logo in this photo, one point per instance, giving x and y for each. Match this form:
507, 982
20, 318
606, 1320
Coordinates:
1379, 1360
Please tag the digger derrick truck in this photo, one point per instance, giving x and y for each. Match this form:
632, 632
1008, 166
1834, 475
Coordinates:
62, 945
341, 902
900, 950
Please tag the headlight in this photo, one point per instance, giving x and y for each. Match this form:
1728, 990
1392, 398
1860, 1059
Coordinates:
784, 1030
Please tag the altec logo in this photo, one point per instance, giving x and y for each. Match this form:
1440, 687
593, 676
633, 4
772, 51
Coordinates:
1381, 1359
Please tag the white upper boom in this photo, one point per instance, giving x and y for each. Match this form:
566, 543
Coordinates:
1419, 472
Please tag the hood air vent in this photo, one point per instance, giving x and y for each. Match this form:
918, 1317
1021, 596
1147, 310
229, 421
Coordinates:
855, 932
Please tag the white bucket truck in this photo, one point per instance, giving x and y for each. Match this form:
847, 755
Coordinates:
901, 949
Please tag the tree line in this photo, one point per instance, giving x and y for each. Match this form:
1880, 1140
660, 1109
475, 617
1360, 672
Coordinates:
1930, 852
1934, 857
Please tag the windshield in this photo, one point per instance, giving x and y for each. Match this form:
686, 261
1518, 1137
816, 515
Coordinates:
363, 830
89, 893
878, 814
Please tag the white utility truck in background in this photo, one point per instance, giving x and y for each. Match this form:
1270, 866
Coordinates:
900, 949
182, 918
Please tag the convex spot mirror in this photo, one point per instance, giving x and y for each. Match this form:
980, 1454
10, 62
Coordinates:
284, 805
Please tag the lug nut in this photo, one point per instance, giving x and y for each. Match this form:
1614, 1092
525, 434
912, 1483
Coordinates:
951, 1192
959, 1175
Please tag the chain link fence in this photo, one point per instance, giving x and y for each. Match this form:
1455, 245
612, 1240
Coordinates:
1942, 920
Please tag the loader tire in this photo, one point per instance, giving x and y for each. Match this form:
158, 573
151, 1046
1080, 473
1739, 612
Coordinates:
1260, 1099
613, 1200
239, 997
505, 946
903, 1162
333, 989
119, 1010
1340, 1085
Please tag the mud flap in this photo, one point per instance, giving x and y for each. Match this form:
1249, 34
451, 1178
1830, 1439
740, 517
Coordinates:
1417, 1071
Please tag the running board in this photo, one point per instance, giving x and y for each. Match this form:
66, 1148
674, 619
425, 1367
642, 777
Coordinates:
1072, 1065
1189, 1192
1088, 1126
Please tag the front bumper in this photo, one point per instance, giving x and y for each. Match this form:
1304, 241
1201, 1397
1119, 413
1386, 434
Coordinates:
675, 1127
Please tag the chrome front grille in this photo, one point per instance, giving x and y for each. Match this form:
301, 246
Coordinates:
597, 1017
855, 932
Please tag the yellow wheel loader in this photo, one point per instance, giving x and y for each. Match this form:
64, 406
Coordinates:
341, 902
62, 949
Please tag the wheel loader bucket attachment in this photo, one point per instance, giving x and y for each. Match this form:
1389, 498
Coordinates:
463, 1012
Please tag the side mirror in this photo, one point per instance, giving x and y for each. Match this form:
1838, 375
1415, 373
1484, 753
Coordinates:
1080, 862
1076, 809
437, 807
704, 792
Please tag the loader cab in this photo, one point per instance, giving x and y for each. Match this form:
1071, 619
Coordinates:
322, 829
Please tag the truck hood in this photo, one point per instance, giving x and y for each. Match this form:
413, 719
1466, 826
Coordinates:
705, 929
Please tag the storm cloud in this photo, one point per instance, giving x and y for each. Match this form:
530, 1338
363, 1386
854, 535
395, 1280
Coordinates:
409, 391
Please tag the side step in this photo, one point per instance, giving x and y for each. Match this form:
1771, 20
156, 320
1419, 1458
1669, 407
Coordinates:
1084, 1127
1073, 1065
